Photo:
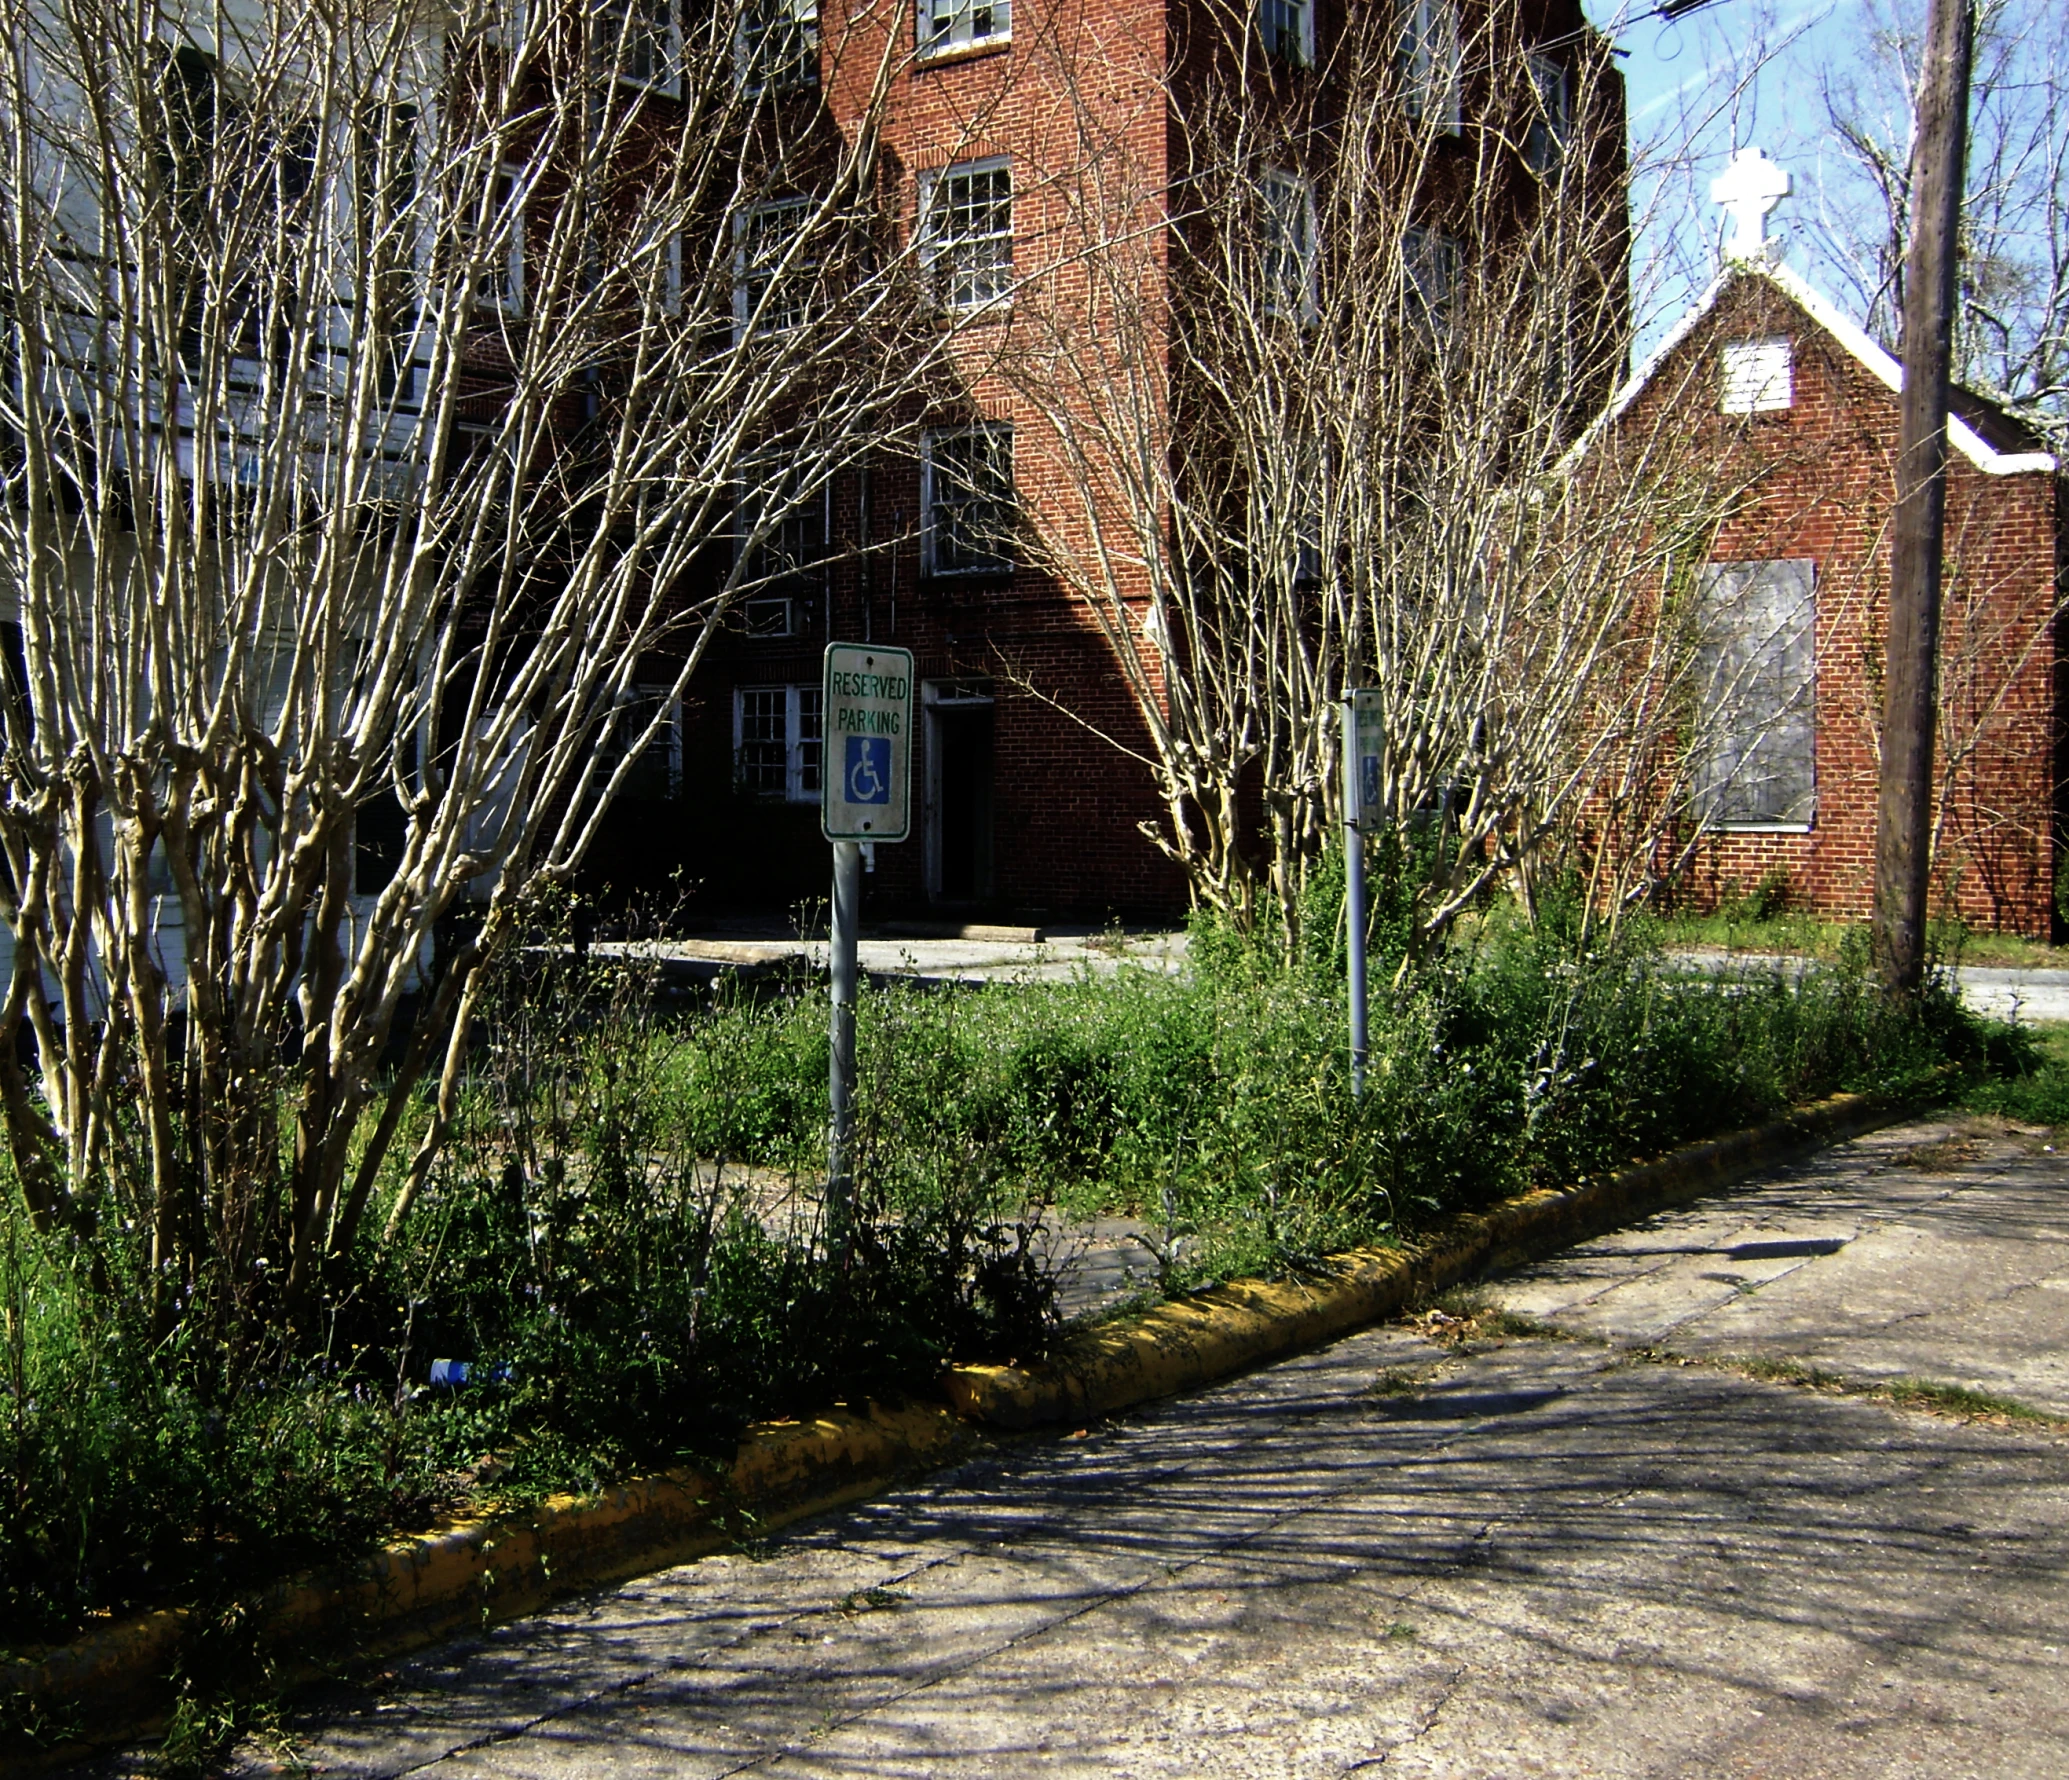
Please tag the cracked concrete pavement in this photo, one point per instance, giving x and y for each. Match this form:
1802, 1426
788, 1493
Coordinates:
1528, 1556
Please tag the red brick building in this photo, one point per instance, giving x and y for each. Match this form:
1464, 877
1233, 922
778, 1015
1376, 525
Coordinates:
1025, 802
1801, 408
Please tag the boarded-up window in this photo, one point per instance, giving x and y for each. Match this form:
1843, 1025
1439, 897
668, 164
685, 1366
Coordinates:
1756, 753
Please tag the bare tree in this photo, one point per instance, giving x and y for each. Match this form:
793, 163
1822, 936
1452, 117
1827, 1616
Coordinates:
383, 387
2011, 336
1314, 417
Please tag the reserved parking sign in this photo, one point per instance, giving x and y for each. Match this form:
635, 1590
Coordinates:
865, 785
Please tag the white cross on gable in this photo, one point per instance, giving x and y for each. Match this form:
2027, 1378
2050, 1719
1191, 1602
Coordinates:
1748, 189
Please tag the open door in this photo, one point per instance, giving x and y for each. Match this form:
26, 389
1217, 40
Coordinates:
959, 731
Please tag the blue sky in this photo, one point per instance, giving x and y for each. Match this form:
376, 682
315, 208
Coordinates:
1735, 72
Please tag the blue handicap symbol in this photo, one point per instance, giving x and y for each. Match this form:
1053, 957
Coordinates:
1368, 789
868, 769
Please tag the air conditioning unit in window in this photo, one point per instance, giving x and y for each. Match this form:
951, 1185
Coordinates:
772, 617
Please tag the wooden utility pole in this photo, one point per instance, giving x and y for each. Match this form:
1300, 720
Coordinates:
1903, 824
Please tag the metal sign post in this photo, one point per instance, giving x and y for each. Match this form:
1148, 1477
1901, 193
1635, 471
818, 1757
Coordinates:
1361, 712
865, 795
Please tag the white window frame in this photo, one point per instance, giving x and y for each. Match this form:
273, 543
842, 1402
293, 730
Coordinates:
801, 708
1550, 127
1432, 60
799, 270
1733, 669
930, 531
1291, 242
612, 18
944, 27
989, 274
1757, 376
794, 19
507, 192
1288, 30
781, 618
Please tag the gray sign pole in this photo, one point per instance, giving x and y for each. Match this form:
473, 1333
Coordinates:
840, 1082
865, 795
1354, 888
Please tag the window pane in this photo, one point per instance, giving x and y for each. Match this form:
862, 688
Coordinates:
779, 43
1431, 275
1757, 376
946, 23
1544, 143
808, 740
635, 38
656, 773
1289, 245
764, 745
1429, 60
971, 522
774, 275
1285, 26
781, 526
970, 230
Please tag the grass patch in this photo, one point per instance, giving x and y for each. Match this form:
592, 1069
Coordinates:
2027, 1078
1959, 1400
1929, 1396
1756, 925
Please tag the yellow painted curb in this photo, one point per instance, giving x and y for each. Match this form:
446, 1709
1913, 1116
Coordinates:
1191, 1341
473, 1572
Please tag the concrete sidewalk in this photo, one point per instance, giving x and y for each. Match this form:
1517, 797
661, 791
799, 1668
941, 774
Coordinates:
991, 954
2038, 997
1533, 1555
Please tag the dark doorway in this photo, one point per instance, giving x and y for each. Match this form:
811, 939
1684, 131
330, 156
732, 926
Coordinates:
961, 736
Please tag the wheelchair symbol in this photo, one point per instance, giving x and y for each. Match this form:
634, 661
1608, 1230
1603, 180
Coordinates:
1368, 790
868, 769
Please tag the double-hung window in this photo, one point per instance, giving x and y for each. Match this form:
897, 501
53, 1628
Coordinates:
966, 232
1551, 115
1755, 754
780, 529
386, 181
1288, 256
1431, 62
640, 41
1430, 277
1288, 27
773, 271
778, 44
776, 741
958, 24
656, 772
488, 238
967, 492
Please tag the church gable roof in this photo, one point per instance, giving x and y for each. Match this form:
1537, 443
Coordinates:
1989, 439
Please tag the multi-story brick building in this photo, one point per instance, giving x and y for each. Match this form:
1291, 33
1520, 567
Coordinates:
1800, 409
1032, 791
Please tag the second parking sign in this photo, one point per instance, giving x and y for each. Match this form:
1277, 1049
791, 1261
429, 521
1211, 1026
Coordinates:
865, 775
